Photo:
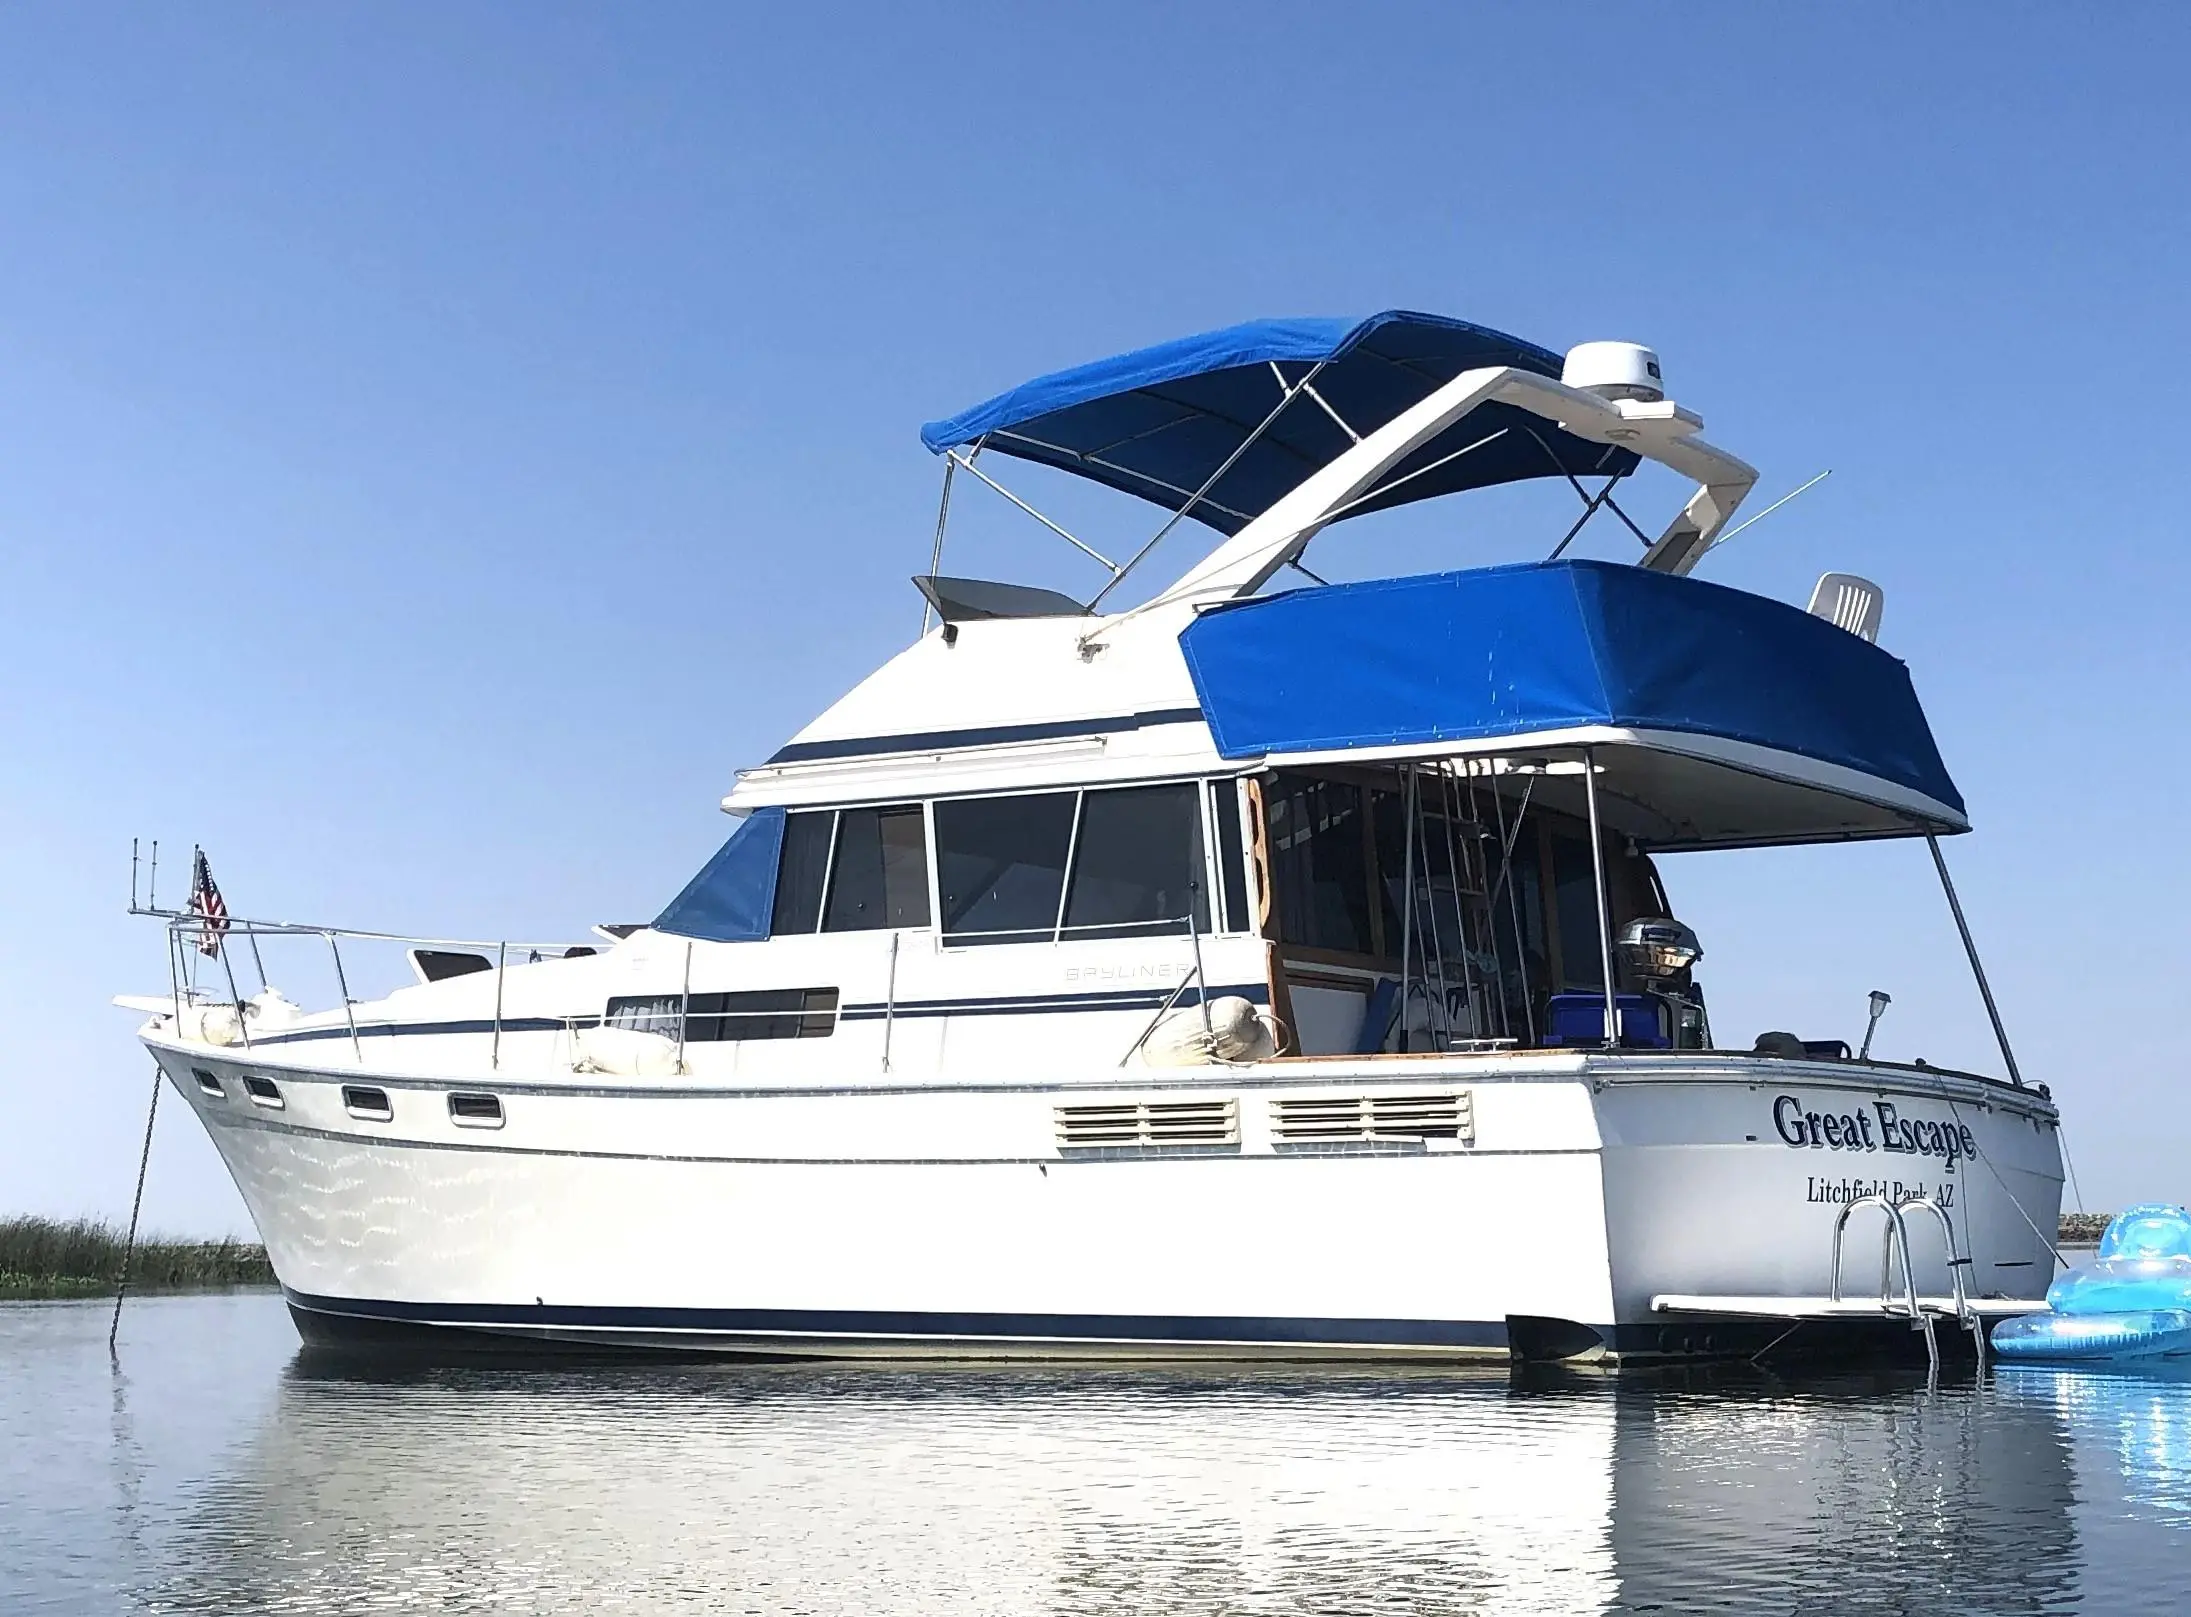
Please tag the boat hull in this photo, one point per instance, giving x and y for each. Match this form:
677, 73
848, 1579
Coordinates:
929, 1221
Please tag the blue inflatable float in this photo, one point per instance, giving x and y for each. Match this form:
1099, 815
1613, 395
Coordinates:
2132, 1302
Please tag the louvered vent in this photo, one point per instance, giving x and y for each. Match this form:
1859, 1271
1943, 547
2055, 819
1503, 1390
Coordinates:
1340, 1119
1134, 1124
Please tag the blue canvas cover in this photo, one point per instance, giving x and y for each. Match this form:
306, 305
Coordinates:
1506, 651
734, 896
1160, 421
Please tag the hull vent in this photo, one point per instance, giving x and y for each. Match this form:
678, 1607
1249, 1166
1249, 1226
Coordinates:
1448, 1115
1132, 1125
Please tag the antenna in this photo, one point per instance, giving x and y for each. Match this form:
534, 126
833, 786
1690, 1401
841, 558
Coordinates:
1768, 511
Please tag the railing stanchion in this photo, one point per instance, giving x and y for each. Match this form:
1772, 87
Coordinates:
890, 1001
348, 1013
684, 1006
235, 995
1605, 912
175, 980
501, 961
1202, 981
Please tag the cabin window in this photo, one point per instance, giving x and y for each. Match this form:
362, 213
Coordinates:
476, 1111
767, 1013
1000, 865
852, 870
1319, 863
1575, 910
1517, 930
1137, 864
880, 874
1232, 863
1122, 862
800, 871
361, 1100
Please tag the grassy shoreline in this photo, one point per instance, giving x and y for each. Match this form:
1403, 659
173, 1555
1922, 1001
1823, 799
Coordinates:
46, 1257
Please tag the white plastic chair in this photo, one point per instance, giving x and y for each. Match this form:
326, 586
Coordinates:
1851, 603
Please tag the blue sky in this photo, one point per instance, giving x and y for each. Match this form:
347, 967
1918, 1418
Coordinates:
438, 445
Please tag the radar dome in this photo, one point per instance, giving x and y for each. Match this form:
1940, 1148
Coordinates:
1614, 370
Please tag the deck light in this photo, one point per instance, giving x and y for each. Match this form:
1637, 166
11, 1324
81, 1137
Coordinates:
1879, 1003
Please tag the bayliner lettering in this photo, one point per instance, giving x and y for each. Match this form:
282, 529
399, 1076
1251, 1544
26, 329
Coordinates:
1854, 1131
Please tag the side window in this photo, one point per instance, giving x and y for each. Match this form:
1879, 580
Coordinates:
767, 1013
851, 870
881, 872
801, 870
1575, 910
1319, 859
1232, 860
1000, 866
1137, 864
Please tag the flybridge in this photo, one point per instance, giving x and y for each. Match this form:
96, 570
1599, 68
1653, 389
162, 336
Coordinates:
1269, 432
1719, 718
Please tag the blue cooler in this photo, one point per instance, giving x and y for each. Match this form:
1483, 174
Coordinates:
1646, 1020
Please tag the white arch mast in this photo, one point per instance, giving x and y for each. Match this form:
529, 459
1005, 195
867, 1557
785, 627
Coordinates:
1658, 430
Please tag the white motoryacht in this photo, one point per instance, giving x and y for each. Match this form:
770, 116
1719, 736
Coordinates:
1248, 972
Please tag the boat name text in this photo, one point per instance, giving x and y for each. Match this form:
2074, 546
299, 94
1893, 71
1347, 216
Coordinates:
1853, 1131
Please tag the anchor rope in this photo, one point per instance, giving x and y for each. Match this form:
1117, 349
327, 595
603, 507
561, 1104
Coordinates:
136, 1206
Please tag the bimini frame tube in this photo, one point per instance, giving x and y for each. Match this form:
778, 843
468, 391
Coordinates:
1605, 908
1970, 948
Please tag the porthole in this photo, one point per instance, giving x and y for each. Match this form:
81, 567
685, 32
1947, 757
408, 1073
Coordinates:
371, 1104
208, 1085
263, 1091
476, 1111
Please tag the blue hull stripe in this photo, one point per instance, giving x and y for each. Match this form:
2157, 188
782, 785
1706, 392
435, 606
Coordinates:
1132, 999
922, 1326
989, 736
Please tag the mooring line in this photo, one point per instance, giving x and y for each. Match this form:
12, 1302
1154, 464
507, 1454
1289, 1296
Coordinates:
136, 1206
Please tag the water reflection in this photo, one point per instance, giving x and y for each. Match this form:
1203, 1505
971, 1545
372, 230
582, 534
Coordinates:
798, 1490
2129, 1432
1036, 1491
225, 1474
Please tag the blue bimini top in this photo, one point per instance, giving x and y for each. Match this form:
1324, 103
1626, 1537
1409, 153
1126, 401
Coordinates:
1159, 422
1740, 684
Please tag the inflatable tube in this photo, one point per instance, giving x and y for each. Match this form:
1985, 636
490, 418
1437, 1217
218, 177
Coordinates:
2132, 1302
2149, 1333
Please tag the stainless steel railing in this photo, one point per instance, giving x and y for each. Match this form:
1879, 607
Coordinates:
187, 928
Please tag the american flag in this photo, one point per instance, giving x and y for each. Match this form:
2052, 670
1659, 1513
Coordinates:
207, 904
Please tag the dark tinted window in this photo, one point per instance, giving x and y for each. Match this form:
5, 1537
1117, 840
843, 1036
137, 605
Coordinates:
767, 1013
1232, 863
1000, 865
799, 873
1575, 905
881, 874
1517, 928
1319, 859
1137, 864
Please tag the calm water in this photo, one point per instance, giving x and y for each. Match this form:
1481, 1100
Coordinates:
220, 1471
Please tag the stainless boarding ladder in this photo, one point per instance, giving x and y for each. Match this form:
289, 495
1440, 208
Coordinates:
1894, 1251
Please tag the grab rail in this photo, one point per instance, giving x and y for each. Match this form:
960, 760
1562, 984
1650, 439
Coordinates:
1965, 1315
185, 924
1894, 1241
